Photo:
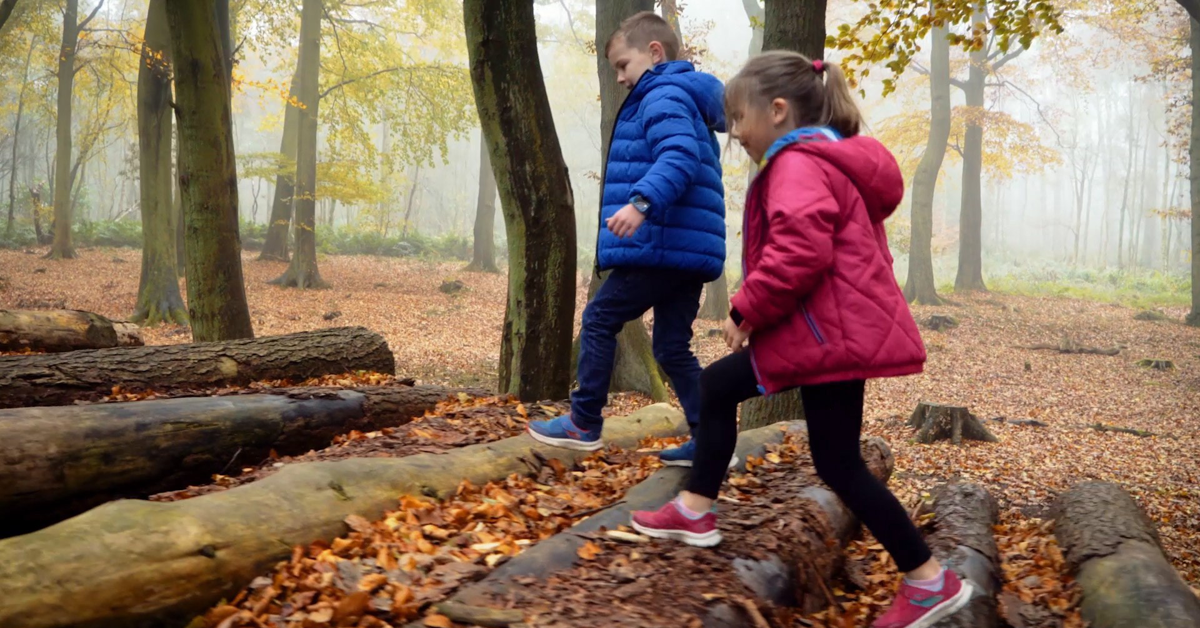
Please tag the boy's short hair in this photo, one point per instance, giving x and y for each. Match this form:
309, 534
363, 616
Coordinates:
641, 28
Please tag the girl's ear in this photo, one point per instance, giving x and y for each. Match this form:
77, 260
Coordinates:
781, 111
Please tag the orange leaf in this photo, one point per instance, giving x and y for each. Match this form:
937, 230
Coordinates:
589, 551
438, 621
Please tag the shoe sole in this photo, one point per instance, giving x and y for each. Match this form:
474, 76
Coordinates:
733, 462
947, 608
566, 443
708, 539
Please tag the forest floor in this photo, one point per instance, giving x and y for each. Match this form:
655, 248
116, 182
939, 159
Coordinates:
980, 363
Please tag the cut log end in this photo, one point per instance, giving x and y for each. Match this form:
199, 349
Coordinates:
935, 422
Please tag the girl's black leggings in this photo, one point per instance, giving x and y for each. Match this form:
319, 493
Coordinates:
834, 413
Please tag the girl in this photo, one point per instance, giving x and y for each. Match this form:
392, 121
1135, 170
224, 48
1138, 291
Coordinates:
821, 311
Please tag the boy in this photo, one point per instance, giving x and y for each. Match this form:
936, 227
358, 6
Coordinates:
662, 229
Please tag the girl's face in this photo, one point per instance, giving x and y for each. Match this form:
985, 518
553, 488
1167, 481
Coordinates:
756, 127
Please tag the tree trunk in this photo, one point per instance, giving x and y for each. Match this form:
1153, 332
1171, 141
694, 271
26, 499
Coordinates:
761, 411
47, 380
963, 541
921, 287
216, 292
61, 461
62, 248
970, 226
797, 25
177, 211
275, 248
16, 140
6, 9
757, 17
483, 247
302, 272
135, 563
670, 13
159, 300
56, 331
535, 195
1115, 554
1130, 160
716, 300
1193, 318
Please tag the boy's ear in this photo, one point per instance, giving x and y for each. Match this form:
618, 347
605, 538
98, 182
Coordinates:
658, 54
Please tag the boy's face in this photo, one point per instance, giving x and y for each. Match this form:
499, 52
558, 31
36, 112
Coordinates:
631, 63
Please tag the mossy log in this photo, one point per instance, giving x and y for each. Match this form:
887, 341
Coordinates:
60, 461
55, 380
936, 422
793, 578
962, 540
135, 564
55, 331
1115, 554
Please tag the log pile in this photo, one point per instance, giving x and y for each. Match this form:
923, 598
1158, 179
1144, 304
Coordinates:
1114, 552
133, 563
63, 379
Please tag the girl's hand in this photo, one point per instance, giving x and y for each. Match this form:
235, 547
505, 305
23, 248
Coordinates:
735, 336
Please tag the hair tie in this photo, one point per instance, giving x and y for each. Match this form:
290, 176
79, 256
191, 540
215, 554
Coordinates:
818, 66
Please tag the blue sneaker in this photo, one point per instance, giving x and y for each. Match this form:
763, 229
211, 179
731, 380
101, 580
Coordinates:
683, 455
562, 432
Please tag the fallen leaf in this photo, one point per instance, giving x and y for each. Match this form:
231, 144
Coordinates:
588, 551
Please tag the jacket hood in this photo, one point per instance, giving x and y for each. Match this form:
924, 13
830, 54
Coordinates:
867, 163
705, 89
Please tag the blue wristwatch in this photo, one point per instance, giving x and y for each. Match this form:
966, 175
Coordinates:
640, 202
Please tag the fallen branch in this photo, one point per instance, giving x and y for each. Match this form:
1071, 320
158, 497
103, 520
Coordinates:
1100, 427
1114, 552
1069, 346
134, 563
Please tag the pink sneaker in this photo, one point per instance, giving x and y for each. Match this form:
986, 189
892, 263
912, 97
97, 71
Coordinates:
669, 522
915, 607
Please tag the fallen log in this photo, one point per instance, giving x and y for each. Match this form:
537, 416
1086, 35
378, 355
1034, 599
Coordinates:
60, 461
1115, 554
62, 379
962, 540
54, 331
1101, 427
135, 564
793, 577
1070, 347
936, 422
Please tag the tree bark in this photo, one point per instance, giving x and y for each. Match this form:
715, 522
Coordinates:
56, 331
1115, 554
275, 248
936, 422
784, 406
216, 292
1193, 317
6, 9
535, 195
46, 380
757, 17
797, 25
134, 563
483, 247
970, 224
302, 272
962, 540
61, 461
12, 174
159, 300
921, 287
61, 247
716, 300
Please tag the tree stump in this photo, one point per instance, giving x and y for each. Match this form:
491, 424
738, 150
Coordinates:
936, 422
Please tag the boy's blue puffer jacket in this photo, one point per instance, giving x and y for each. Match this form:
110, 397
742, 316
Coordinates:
664, 148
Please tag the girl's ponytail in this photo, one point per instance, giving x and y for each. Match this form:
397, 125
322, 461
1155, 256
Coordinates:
840, 111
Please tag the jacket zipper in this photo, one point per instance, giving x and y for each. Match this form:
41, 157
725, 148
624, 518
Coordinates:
812, 325
762, 389
604, 177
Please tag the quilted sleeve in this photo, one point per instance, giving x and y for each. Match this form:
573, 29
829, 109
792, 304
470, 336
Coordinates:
668, 120
801, 216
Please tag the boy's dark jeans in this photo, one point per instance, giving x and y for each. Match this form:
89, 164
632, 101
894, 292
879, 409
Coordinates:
625, 296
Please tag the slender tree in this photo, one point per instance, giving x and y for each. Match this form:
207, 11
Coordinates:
16, 140
921, 287
1193, 318
535, 195
483, 247
302, 272
64, 174
216, 292
158, 291
275, 248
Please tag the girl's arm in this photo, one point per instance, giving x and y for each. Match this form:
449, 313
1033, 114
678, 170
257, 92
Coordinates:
801, 216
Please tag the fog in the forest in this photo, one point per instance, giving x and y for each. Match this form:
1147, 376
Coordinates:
1083, 164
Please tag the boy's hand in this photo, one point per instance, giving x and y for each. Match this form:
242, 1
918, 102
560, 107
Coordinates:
735, 336
625, 222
